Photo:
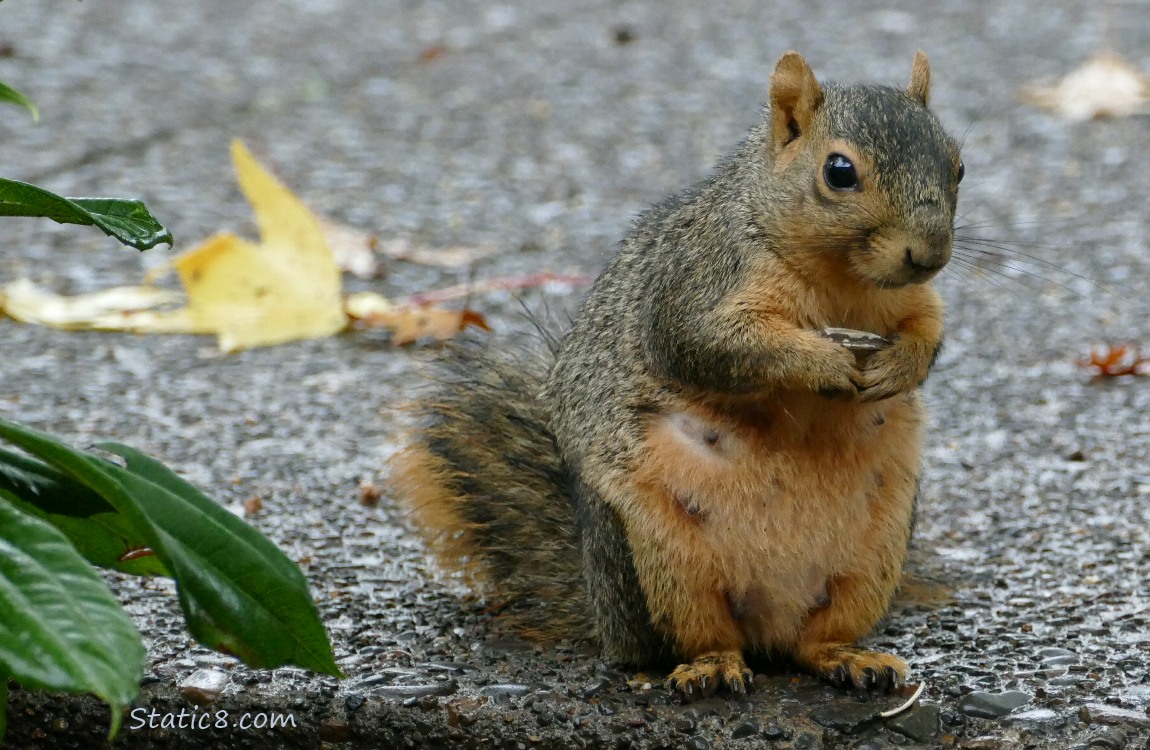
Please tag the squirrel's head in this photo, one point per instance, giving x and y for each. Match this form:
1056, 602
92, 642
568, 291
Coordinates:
871, 178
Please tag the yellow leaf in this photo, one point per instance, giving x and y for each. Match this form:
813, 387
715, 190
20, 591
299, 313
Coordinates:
283, 288
122, 308
286, 287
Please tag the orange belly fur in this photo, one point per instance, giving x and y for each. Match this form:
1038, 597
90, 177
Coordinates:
757, 507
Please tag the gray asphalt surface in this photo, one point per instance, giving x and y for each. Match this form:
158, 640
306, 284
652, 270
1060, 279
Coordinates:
542, 128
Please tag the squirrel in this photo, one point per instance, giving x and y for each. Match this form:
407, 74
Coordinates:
703, 468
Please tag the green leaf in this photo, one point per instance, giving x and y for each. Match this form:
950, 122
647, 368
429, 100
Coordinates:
246, 597
60, 626
99, 532
125, 220
12, 96
239, 592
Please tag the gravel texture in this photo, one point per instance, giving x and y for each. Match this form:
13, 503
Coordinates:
542, 128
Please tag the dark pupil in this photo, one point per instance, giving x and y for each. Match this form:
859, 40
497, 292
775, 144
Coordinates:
961, 171
840, 173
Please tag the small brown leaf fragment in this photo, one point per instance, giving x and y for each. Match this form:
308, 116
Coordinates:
434, 52
253, 505
369, 493
641, 681
135, 553
1113, 361
409, 323
468, 317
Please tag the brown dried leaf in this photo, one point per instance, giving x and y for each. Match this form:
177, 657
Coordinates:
1117, 360
369, 493
409, 323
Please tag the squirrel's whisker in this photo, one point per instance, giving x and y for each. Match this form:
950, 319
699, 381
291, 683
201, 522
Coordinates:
978, 272
1004, 255
996, 248
997, 265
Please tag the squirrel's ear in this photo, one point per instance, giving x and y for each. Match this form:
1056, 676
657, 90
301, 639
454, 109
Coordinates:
795, 97
919, 86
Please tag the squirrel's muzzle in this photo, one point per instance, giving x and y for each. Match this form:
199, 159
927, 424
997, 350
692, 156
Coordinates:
922, 261
896, 258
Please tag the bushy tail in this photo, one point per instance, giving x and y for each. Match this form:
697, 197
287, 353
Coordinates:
485, 486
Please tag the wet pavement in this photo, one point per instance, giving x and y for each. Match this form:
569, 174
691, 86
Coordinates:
542, 128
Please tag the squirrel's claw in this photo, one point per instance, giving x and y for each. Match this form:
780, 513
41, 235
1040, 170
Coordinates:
849, 666
707, 673
900, 368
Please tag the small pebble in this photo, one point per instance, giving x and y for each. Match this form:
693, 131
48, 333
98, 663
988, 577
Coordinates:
919, 723
1052, 652
513, 690
203, 686
774, 732
992, 705
806, 741
1111, 739
848, 718
747, 728
953, 718
1099, 713
451, 667
335, 730
417, 691
595, 688
1034, 716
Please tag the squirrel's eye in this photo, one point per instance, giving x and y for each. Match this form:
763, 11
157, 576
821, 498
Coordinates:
840, 173
961, 171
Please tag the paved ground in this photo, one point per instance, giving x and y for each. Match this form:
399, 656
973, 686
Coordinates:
542, 127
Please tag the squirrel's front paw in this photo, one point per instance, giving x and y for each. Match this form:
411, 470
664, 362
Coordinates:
838, 377
890, 372
703, 676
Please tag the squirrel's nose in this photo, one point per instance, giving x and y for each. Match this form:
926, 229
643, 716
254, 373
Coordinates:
925, 265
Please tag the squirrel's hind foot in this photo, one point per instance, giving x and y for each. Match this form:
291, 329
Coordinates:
846, 665
704, 675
